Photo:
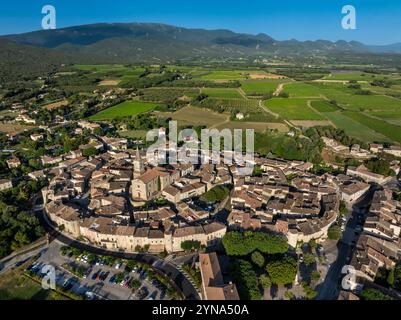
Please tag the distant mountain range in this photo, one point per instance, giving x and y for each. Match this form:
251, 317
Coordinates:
130, 42
151, 42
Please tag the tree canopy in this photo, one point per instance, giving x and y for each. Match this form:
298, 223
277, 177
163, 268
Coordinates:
282, 271
241, 244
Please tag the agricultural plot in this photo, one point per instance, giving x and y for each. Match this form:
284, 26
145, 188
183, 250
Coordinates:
222, 93
259, 88
323, 106
229, 105
257, 126
357, 76
221, 75
293, 109
367, 102
125, 109
302, 89
196, 116
168, 94
354, 128
389, 130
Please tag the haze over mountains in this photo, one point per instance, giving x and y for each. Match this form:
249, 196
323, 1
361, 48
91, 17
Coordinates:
133, 42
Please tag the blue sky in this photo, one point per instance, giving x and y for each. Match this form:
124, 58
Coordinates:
378, 21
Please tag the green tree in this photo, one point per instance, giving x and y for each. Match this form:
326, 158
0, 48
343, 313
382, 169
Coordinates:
246, 280
334, 233
373, 294
241, 244
282, 271
258, 259
190, 245
391, 278
265, 281
309, 259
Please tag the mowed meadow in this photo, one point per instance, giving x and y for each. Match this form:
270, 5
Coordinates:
348, 100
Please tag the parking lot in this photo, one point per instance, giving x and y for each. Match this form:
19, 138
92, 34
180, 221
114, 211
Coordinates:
98, 280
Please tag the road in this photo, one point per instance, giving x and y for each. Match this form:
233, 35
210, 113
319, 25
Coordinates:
168, 269
330, 288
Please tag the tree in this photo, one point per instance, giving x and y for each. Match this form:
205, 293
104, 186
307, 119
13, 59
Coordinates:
190, 245
246, 280
135, 284
391, 278
89, 152
241, 244
282, 271
309, 291
309, 259
315, 275
265, 281
373, 294
334, 233
258, 259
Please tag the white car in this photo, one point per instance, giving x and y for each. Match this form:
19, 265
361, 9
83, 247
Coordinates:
118, 266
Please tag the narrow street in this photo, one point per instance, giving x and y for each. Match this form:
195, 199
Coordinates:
330, 288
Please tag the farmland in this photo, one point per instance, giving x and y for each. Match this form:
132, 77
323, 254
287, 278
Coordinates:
196, 116
354, 128
259, 88
389, 130
222, 93
125, 109
357, 76
293, 109
323, 106
317, 98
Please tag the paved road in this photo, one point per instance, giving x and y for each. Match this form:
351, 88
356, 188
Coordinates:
330, 288
166, 268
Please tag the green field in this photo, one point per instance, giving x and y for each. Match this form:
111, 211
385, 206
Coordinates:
260, 87
389, 130
293, 109
228, 105
222, 93
125, 109
367, 102
357, 76
354, 128
323, 106
14, 285
301, 89
167, 94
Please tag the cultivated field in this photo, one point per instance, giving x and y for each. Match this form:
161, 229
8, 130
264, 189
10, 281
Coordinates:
196, 116
222, 93
259, 88
292, 109
257, 126
354, 128
125, 109
56, 105
14, 128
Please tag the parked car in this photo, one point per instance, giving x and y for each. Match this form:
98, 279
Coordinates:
118, 266
96, 275
301, 258
104, 275
87, 273
112, 279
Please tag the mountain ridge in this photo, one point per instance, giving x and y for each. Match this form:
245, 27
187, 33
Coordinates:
136, 41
